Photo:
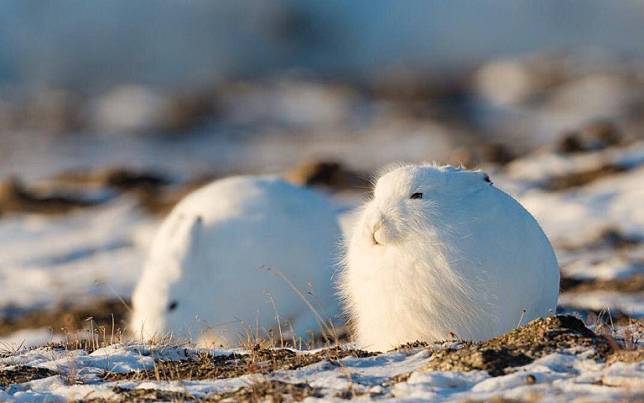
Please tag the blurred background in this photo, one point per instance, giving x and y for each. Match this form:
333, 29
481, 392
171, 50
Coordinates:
111, 111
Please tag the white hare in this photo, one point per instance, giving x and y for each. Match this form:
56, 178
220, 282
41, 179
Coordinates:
235, 255
438, 253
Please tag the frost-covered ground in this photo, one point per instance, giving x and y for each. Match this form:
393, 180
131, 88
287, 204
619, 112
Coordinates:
565, 361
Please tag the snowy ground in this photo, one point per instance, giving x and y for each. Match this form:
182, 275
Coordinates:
96, 253
124, 372
67, 273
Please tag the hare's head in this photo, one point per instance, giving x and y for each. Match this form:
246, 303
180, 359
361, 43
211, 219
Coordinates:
409, 199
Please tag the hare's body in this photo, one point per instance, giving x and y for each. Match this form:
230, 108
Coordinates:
463, 260
222, 261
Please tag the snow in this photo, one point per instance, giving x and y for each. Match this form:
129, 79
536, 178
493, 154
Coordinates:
630, 304
28, 338
89, 253
612, 202
554, 374
536, 169
559, 375
360, 374
602, 264
130, 108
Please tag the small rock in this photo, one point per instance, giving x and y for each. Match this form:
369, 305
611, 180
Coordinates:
592, 137
584, 177
520, 346
126, 179
16, 198
330, 174
496, 153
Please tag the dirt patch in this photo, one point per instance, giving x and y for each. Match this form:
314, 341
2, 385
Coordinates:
142, 395
21, 374
155, 192
258, 361
609, 237
614, 238
627, 356
633, 284
106, 314
160, 201
591, 137
15, 197
581, 178
72, 190
568, 283
520, 346
410, 347
272, 391
329, 174
117, 178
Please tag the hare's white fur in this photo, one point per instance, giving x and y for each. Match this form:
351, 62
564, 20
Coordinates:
213, 266
465, 261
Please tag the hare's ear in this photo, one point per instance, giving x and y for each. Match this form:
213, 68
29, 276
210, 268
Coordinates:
473, 179
479, 176
192, 248
186, 241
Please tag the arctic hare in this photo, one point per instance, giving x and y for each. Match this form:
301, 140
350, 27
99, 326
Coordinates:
235, 255
440, 252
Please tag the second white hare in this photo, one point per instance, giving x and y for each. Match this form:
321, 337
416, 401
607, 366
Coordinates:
235, 256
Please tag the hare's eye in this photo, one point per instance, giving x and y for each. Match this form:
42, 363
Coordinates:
172, 306
416, 196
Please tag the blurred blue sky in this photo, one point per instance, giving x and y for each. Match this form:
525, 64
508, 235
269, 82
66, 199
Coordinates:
92, 44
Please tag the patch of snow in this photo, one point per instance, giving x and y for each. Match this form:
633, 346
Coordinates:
28, 338
630, 304
359, 374
130, 108
603, 264
612, 202
560, 376
89, 253
57, 389
198, 388
539, 167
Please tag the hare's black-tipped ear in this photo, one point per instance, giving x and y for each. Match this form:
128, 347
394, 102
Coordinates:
486, 178
187, 243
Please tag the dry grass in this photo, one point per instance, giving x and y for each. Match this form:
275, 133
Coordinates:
64, 319
497, 356
271, 391
257, 361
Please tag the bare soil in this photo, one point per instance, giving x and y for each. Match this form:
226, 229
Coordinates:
521, 346
21, 373
269, 391
258, 361
108, 314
